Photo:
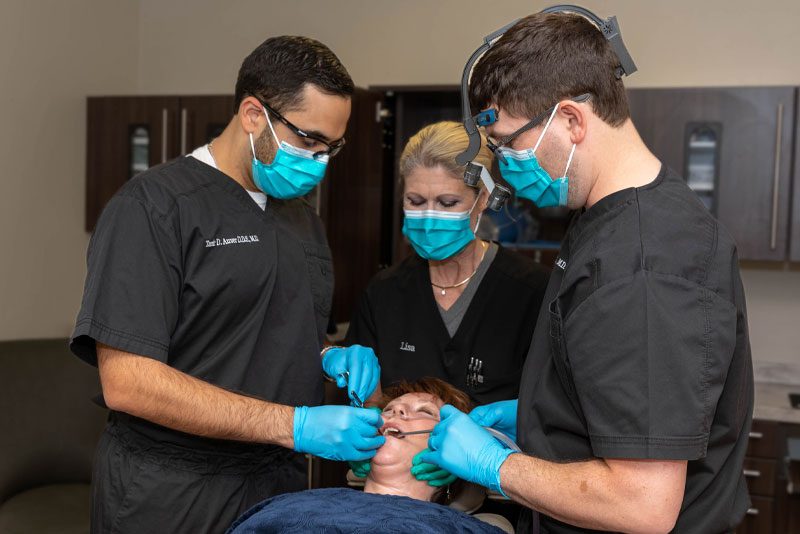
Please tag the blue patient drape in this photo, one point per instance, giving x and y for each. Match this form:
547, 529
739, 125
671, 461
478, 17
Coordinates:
347, 511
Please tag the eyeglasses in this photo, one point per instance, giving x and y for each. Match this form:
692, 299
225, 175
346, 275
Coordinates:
494, 145
332, 149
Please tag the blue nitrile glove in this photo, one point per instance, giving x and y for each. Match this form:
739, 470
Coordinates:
362, 366
465, 449
501, 416
361, 467
337, 432
435, 475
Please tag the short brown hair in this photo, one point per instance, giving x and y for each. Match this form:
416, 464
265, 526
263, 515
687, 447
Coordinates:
545, 58
433, 386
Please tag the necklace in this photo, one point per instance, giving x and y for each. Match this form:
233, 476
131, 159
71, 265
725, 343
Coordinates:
467, 279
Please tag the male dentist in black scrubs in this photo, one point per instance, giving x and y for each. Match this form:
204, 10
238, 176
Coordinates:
637, 394
207, 296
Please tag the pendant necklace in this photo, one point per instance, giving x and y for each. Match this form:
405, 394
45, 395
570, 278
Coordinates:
467, 279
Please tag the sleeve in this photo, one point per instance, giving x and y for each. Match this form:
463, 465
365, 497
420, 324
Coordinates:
362, 329
132, 290
648, 357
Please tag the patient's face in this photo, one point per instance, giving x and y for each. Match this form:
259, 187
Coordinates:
410, 412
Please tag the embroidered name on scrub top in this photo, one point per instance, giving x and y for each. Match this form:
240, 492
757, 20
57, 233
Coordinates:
222, 241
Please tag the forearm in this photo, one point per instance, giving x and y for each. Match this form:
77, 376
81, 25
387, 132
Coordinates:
618, 495
151, 390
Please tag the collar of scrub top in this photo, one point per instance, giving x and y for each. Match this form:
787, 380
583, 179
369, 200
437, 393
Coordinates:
611, 31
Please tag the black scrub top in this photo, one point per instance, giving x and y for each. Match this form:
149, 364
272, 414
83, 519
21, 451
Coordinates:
642, 351
185, 268
397, 316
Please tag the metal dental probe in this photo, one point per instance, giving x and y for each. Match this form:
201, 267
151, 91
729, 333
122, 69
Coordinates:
508, 442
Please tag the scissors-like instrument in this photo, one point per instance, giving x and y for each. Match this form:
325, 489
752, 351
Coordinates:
356, 400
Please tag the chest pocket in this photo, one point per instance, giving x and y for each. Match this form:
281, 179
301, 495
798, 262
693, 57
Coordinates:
320, 276
558, 351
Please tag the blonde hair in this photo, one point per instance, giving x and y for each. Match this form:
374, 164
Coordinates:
437, 145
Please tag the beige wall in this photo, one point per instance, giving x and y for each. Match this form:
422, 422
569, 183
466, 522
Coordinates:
197, 45
53, 54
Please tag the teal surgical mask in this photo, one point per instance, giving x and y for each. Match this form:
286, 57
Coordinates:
293, 173
438, 235
521, 169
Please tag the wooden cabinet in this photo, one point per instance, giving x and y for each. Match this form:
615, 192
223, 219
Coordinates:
773, 510
126, 135
752, 131
794, 245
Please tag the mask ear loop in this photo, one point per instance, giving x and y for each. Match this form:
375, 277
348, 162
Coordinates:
271, 129
571, 152
546, 126
269, 123
480, 214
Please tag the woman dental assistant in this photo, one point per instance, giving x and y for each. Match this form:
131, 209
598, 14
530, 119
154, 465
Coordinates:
461, 309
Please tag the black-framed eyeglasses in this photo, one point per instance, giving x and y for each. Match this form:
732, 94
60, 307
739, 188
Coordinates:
494, 145
332, 148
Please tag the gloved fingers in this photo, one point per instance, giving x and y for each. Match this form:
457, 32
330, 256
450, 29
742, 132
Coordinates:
363, 443
360, 468
434, 474
362, 472
448, 410
363, 364
484, 415
431, 457
368, 417
355, 454
341, 381
417, 459
439, 482
423, 468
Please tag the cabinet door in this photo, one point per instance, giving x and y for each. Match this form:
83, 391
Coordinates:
794, 247
351, 202
124, 136
413, 108
753, 129
202, 118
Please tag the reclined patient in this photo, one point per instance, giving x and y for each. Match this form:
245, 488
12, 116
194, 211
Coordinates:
393, 501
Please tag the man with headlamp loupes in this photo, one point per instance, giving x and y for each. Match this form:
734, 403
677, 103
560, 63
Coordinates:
637, 394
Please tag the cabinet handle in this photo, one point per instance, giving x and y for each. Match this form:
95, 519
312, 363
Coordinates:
184, 115
752, 511
752, 473
756, 435
776, 180
164, 118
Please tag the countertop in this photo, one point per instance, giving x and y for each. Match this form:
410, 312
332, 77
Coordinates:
773, 383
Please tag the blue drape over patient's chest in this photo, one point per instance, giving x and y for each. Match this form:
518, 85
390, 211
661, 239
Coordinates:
342, 510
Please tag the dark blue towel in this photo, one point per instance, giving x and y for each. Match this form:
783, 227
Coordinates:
346, 511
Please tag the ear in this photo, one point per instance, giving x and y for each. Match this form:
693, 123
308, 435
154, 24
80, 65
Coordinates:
576, 116
483, 197
251, 115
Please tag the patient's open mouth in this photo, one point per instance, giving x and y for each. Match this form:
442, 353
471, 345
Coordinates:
391, 431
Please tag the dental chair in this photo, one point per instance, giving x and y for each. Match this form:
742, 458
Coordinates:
48, 432
468, 500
